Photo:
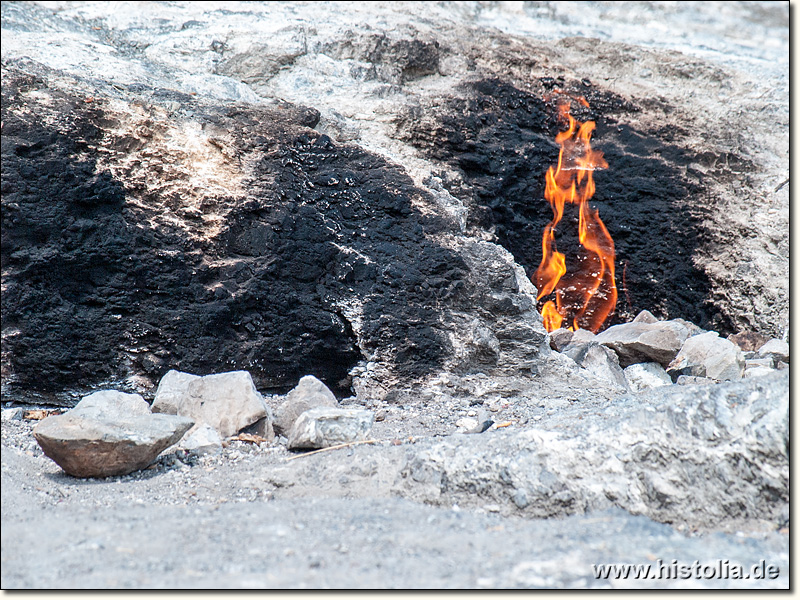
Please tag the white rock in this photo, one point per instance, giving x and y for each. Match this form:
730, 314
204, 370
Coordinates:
202, 439
775, 349
645, 342
708, 355
758, 371
226, 401
309, 393
600, 361
171, 390
325, 426
645, 376
111, 403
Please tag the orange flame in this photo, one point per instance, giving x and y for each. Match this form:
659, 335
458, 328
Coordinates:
588, 296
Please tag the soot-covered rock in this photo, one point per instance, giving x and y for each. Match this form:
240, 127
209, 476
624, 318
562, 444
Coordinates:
500, 141
119, 260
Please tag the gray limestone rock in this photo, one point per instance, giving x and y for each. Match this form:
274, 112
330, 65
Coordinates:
776, 349
226, 401
645, 376
693, 380
87, 444
323, 427
309, 393
202, 439
645, 316
112, 404
171, 391
560, 339
599, 360
645, 342
708, 355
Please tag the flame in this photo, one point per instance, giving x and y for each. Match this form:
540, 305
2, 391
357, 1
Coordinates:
588, 296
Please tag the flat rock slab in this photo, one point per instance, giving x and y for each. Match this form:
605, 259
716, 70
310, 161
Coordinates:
309, 393
227, 402
93, 446
708, 355
325, 427
645, 342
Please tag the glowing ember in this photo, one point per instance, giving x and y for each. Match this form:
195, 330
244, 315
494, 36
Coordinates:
588, 296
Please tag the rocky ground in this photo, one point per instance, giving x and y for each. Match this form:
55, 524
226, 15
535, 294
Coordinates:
346, 191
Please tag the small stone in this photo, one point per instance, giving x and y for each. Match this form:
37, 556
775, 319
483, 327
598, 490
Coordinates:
520, 498
111, 403
467, 424
645, 342
171, 391
583, 335
309, 393
202, 439
645, 376
708, 355
645, 317
88, 444
325, 426
758, 371
226, 401
692, 380
750, 363
748, 341
263, 427
781, 365
775, 349
12, 414
560, 339
600, 361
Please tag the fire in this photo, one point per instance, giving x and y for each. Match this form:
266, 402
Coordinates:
588, 296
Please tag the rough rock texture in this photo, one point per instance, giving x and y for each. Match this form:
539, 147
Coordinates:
777, 350
748, 341
598, 360
713, 456
645, 376
220, 189
112, 404
227, 402
86, 444
645, 342
171, 390
324, 427
309, 393
201, 439
708, 355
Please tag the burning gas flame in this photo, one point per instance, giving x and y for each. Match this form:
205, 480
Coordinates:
588, 296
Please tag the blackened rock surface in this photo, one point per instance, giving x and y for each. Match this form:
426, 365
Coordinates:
119, 262
500, 140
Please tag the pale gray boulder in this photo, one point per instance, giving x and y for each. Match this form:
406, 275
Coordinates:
171, 390
645, 376
645, 342
324, 427
600, 361
309, 393
111, 404
777, 350
708, 355
227, 402
202, 439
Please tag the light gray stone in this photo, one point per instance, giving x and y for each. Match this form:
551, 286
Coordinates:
560, 339
775, 349
708, 355
692, 380
600, 361
112, 404
323, 427
645, 316
309, 393
645, 376
758, 371
645, 342
171, 391
202, 439
226, 401
86, 443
